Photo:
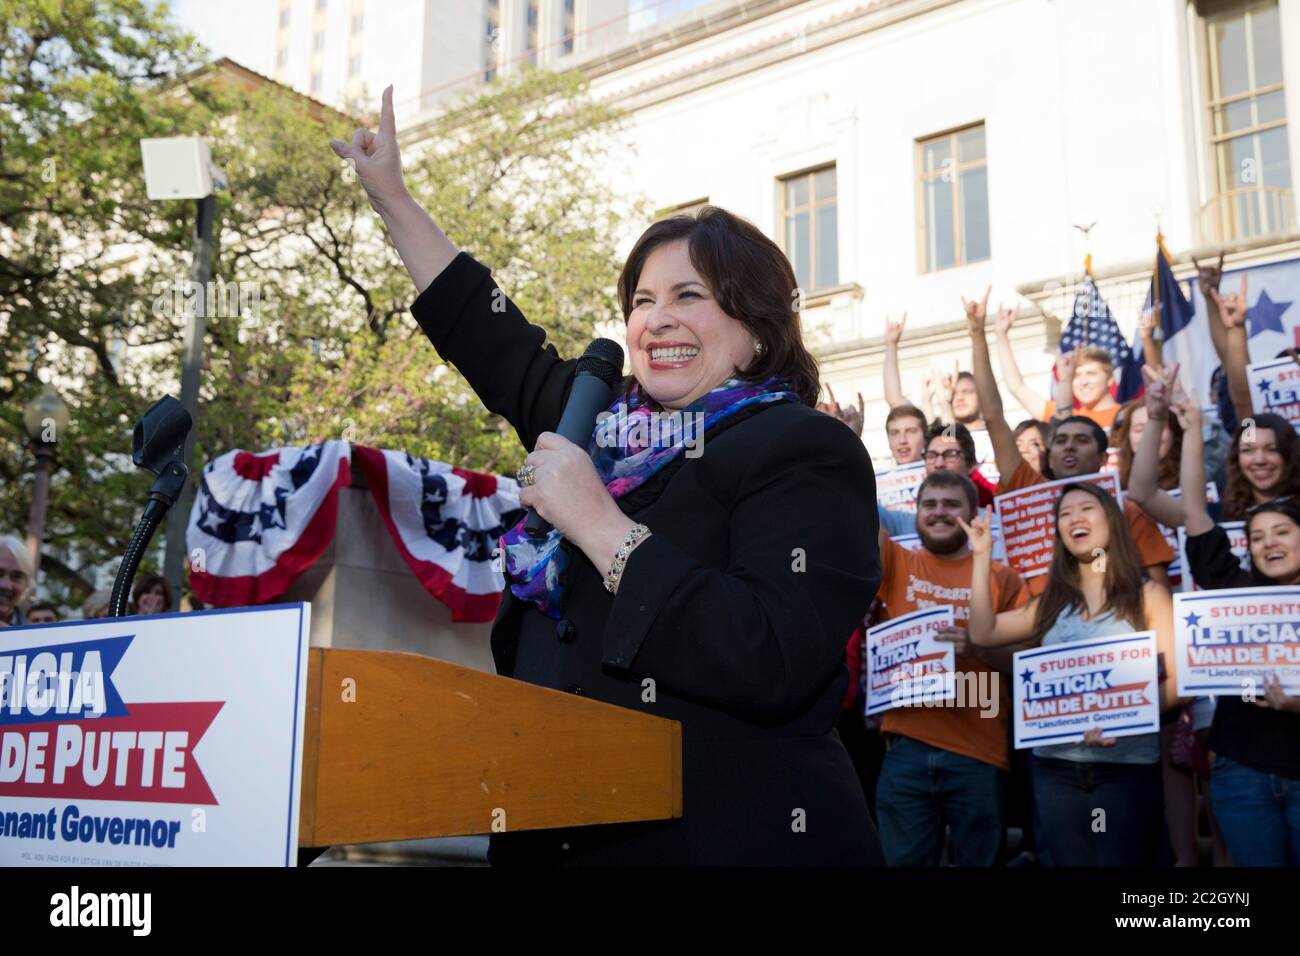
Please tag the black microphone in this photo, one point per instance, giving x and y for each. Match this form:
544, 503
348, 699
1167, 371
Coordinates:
598, 371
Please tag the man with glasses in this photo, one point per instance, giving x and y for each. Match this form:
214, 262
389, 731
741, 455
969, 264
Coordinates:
948, 447
16, 573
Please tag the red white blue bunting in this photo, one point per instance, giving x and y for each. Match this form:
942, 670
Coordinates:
259, 521
446, 523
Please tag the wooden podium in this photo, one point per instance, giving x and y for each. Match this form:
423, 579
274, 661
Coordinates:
402, 746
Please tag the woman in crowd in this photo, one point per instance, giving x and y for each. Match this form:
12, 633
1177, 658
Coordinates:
151, 595
716, 589
16, 573
1130, 426
1095, 589
1255, 778
1263, 462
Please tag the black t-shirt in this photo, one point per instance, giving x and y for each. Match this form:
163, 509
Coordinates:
1257, 737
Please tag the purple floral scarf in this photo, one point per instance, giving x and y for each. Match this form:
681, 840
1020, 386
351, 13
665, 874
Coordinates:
630, 443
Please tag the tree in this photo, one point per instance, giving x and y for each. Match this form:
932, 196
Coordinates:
78, 84
313, 338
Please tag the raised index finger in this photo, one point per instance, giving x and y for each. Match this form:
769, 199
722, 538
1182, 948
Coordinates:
387, 124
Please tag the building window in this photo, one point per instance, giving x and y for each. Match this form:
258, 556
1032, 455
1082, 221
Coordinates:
318, 41
284, 17
491, 39
1247, 124
354, 64
569, 27
357, 21
643, 14
953, 195
321, 4
809, 221
530, 35
282, 56
315, 82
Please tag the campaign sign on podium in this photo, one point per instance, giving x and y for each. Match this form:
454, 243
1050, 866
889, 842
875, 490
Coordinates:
172, 740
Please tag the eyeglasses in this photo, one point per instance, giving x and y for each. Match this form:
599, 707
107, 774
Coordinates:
1271, 505
952, 455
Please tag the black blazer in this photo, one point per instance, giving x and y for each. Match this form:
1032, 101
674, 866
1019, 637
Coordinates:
738, 607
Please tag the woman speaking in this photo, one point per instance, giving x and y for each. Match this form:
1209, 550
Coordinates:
716, 587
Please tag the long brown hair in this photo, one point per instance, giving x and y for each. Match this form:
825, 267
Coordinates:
1240, 493
1167, 469
1123, 577
752, 281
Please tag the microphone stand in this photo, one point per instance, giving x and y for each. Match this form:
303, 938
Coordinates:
158, 446
162, 495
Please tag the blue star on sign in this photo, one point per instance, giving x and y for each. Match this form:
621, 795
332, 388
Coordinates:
1264, 385
1266, 315
1027, 676
1192, 619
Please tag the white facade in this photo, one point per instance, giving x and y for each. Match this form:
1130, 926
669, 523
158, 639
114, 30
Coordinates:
1095, 113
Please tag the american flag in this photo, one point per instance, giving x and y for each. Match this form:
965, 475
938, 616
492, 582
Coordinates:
1092, 324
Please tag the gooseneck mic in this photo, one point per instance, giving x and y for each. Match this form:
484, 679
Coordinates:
598, 372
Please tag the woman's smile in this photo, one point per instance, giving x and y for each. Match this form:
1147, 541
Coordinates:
667, 355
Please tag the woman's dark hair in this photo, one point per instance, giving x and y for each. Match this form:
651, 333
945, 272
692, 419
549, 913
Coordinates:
1240, 493
1167, 470
1044, 430
957, 432
1123, 576
752, 281
147, 584
1288, 508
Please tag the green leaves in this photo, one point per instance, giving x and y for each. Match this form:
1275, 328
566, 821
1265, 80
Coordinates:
324, 345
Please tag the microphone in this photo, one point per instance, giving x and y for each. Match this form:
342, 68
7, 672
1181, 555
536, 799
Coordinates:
598, 371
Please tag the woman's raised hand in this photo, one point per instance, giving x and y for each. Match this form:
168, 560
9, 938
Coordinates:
1159, 387
376, 159
1188, 411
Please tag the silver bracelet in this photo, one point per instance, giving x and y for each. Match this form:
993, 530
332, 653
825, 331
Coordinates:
634, 537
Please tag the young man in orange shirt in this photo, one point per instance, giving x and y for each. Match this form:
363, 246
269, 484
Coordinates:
1085, 376
1078, 447
946, 765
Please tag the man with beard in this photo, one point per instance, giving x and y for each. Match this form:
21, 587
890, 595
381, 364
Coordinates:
16, 575
948, 447
946, 766
1078, 447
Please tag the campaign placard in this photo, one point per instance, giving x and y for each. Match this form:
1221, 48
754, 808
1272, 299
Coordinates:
905, 666
1238, 541
1064, 690
1275, 387
1175, 540
1226, 641
169, 740
896, 487
1026, 518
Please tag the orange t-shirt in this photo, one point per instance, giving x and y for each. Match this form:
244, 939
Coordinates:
917, 579
1151, 544
1105, 417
